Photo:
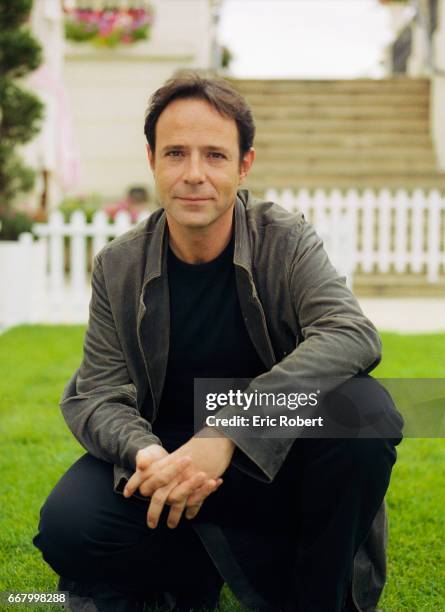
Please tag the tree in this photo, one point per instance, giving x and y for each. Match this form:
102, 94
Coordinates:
21, 112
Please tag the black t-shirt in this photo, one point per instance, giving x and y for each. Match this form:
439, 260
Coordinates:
208, 338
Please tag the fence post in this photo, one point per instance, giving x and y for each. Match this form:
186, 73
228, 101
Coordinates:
368, 254
272, 195
417, 230
288, 200
56, 264
401, 203
349, 230
334, 202
434, 201
303, 202
78, 257
100, 229
122, 222
320, 221
384, 202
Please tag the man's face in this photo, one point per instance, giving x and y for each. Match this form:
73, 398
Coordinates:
196, 164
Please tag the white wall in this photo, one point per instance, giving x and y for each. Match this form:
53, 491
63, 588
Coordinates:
183, 27
109, 91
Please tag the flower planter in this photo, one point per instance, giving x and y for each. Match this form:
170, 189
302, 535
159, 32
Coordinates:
109, 27
22, 280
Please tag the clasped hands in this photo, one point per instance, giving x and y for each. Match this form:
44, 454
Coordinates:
182, 479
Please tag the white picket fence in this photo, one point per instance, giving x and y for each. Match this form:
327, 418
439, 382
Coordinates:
71, 248
376, 232
368, 233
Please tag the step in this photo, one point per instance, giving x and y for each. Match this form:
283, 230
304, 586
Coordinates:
266, 138
364, 176
361, 182
309, 166
327, 87
402, 100
352, 125
350, 112
396, 285
277, 154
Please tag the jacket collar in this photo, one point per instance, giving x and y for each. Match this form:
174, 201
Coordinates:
242, 252
157, 228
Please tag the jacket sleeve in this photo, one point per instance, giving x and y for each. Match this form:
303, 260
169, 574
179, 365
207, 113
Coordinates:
338, 342
99, 402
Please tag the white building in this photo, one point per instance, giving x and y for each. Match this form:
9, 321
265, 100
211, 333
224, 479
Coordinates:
107, 94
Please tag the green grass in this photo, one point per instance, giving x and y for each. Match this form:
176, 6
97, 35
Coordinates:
36, 449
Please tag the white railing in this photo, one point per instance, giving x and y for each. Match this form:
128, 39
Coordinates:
71, 247
366, 233
78, 230
376, 232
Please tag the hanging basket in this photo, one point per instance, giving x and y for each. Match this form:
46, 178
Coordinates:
109, 27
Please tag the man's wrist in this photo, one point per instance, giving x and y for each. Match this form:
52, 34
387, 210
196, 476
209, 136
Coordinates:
212, 432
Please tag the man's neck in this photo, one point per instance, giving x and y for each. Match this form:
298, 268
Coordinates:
200, 245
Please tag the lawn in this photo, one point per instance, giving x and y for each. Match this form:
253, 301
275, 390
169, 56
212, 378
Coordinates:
37, 448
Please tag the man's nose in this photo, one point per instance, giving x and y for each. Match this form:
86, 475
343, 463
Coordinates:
194, 171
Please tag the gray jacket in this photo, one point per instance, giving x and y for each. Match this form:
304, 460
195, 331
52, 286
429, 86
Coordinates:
302, 319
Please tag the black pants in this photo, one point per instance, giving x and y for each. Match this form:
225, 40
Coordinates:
326, 495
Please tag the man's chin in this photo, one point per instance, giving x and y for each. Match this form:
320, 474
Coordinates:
195, 220
196, 224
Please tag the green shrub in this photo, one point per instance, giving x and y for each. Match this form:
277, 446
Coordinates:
13, 223
20, 111
88, 204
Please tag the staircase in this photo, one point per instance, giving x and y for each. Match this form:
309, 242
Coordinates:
342, 134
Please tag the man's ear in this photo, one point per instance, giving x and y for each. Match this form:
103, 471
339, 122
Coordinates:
151, 157
246, 164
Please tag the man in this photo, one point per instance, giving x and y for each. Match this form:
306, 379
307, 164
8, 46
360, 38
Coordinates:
215, 285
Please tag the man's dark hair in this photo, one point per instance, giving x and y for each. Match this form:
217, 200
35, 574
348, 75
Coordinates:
217, 92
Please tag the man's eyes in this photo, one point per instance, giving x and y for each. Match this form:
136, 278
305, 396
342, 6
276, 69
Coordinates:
212, 154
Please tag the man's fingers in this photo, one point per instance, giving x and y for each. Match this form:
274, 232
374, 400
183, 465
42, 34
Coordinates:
164, 477
176, 494
186, 488
174, 516
161, 479
149, 455
210, 486
195, 501
192, 511
157, 504
133, 483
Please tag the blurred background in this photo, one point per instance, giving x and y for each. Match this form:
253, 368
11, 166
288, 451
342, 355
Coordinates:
349, 101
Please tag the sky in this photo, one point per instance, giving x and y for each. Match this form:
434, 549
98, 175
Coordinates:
305, 38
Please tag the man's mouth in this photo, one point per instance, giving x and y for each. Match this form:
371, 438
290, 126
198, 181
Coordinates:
193, 199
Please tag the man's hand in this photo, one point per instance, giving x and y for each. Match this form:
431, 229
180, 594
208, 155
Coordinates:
211, 455
183, 478
146, 466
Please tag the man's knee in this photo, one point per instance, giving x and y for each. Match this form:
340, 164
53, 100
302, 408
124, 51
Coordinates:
371, 455
362, 407
360, 459
71, 517
61, 534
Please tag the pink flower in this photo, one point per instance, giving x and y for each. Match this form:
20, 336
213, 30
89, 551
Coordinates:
117, 23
